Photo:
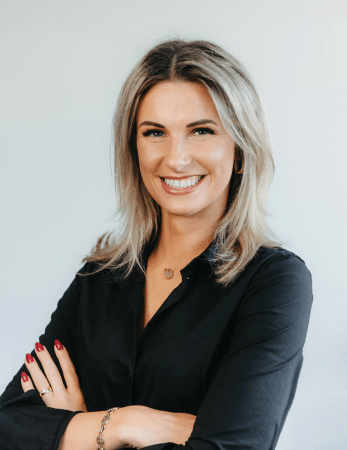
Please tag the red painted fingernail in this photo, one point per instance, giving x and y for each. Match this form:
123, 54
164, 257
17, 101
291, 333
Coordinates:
59, 345
24, 376
39, 347
29, 358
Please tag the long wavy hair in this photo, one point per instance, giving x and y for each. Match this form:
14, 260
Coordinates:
243, 229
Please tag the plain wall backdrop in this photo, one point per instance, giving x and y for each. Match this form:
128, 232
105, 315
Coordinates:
62, 64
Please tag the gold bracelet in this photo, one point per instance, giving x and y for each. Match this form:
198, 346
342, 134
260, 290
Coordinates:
101, 439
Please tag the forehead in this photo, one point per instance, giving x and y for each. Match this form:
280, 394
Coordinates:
167, 99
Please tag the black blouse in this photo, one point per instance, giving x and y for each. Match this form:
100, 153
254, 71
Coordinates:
231, 356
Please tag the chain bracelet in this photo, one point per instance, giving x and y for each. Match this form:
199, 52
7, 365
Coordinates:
101, 439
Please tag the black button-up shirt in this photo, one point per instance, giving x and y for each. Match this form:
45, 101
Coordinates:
231, 356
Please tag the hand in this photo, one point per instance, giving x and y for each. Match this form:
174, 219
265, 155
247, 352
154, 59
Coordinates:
61, 398
143, 426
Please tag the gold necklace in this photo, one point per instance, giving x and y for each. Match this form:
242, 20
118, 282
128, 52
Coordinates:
168, 273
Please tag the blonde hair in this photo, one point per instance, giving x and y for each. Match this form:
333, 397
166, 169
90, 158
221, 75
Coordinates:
243, 229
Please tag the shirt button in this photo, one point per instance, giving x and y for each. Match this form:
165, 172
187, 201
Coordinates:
129, 377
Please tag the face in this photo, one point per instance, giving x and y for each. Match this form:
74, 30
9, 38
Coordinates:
170, 145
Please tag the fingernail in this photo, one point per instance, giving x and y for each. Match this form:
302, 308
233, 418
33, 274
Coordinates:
39, 347
29, 358
24, 376
59, 345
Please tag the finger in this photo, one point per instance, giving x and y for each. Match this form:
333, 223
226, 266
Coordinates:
26, 382
50, 368
36, 374
67, 366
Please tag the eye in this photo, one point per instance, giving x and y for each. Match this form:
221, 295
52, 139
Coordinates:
149, 132
205, 130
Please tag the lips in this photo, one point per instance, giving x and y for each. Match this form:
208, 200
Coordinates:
183, 178
195, 178
181, 191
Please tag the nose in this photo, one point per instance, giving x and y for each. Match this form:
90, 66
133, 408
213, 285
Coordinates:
178, 154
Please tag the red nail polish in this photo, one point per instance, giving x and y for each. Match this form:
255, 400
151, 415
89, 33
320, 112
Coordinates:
24, 376
59, 345
29, 358
39, 347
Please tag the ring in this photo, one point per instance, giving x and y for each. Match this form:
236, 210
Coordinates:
44, 391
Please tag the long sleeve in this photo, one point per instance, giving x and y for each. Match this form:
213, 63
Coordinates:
25, 420
253, 389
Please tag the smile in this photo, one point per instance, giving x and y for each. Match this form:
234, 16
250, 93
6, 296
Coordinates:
182, 186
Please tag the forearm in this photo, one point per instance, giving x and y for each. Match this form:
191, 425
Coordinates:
141, 426
83, 429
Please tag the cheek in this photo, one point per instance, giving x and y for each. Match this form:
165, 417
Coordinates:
220, 162
147, 169
146, 162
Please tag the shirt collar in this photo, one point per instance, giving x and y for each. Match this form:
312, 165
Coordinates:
205, 259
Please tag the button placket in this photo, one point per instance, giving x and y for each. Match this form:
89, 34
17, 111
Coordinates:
190, 278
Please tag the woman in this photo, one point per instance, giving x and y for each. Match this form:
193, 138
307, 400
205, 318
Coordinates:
192, 321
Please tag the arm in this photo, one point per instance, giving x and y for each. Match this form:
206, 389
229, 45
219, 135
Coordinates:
140, 426
250, 396
30, 422
83, 429
25, 421
147, 426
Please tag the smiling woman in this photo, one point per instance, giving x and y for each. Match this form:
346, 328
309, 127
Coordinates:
190, 323
175, 88
181, 152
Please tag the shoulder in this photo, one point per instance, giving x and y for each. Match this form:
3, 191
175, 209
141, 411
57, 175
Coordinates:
275, 300
278, 257
266, 254
94, 275
95, 269
90, 273
281, 271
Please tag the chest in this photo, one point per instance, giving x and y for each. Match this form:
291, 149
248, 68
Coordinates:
156, 290
175, 362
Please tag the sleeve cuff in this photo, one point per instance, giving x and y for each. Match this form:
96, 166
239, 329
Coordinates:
26, 422
62, 427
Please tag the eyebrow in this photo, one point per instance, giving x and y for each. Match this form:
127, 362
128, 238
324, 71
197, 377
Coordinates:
190, 125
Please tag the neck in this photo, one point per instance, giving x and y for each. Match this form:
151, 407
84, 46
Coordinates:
179, 242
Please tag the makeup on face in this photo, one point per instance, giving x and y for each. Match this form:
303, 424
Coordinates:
180, 142
183, 186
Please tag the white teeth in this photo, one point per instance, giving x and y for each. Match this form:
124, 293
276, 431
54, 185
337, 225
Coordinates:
180, 184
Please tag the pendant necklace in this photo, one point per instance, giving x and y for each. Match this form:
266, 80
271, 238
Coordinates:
168, 273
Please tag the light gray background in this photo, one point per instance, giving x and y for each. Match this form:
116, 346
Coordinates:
62, 64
